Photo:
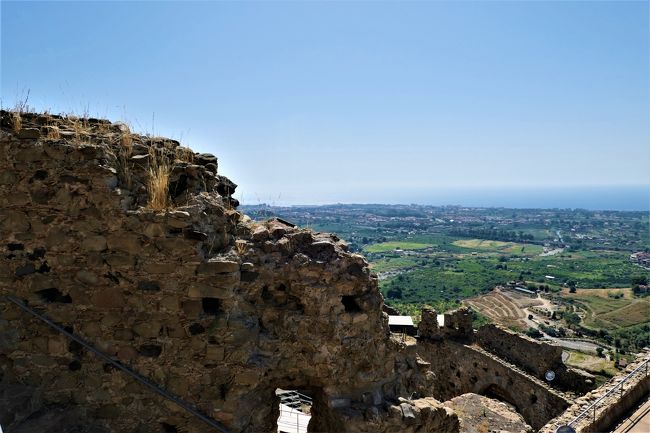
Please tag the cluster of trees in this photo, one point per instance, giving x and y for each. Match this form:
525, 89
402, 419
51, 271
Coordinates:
494, 234
637, 282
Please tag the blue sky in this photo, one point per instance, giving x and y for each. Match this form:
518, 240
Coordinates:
313, 102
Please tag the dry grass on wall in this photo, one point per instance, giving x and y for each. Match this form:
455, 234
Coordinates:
158, 182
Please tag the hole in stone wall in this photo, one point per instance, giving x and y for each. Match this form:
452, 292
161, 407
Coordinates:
40, 175
74, 365
350, 304
14, 246
150, 350
53, 295
210, 306
75, 348
44, 268
168, 428
38, 253
196, 328
223, 391
177, 188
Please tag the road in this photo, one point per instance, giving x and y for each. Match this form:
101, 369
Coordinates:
582, 346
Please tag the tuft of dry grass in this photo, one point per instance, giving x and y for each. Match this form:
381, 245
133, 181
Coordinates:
16, 115
158, 182
16, 121
53, 132
184, 154
158, 186
241, 246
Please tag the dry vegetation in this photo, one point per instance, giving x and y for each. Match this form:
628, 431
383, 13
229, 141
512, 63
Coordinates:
503, 307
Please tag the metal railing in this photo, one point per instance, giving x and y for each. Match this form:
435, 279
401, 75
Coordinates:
590, 410
295, 411
137, 376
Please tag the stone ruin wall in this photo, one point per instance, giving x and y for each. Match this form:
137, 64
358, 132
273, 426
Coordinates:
460, 368
209, 305
620, 402
535, 357
213, 307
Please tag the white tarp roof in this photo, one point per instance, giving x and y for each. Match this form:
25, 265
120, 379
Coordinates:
400, 320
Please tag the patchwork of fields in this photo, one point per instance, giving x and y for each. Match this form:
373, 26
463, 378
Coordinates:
603, 310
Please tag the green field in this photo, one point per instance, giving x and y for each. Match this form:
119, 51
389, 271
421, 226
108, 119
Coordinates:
592, 364
605, 312
484, 245
449, 253
392, 246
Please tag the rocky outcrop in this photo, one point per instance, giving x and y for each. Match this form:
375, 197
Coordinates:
482, 414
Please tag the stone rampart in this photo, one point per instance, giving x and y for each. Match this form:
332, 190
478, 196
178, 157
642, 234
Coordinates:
213, 307
534, 357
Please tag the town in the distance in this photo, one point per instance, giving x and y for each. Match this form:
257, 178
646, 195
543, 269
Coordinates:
577, 277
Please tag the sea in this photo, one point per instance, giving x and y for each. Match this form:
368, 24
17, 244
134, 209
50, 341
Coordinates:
619, 198
616, 198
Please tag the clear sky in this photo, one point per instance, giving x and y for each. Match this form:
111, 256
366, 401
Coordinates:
312, 102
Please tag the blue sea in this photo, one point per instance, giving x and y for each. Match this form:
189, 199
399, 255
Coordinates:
621, 198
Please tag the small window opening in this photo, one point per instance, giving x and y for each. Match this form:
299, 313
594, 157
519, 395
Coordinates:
210, 306
53, 295
168, 428
150, 350
196, 328
350, 304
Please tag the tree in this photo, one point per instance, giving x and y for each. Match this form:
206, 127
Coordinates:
599, 351
533, 333
394, 293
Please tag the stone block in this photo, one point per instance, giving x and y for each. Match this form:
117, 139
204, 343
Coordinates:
159, 268
147, 329
127, 243
94, 243
91, 329
119, 260
108, 298
214, 267
154, 230
215, 353
87, 277
55, 239
196, 291
192, 308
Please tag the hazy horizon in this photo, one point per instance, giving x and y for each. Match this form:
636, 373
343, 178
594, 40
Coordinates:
604, 197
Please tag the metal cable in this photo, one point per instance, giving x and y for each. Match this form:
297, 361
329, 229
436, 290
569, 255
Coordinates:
157, 389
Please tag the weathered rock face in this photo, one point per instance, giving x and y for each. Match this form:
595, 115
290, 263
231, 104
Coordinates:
481, 414
209, 305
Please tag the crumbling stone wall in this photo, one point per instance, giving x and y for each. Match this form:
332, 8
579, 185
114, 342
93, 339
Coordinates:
217, 309
460, 368
457, 324
615, 407
535, 357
